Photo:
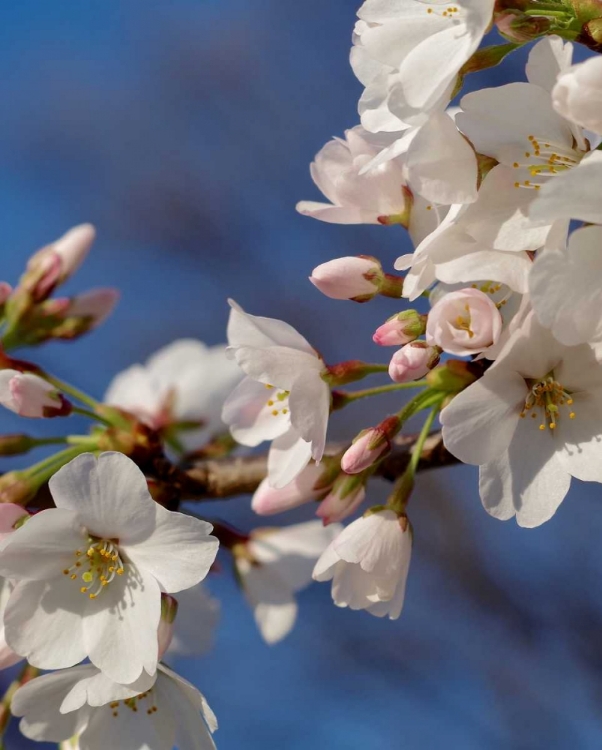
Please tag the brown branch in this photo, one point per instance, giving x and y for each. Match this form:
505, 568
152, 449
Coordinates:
226, 477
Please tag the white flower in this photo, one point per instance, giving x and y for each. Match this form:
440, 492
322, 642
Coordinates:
368, 564
577, 94
517, 125
152, 714
533, 421
273, 566
195, 624
565, 288
89, 573
408, 53
369, 181
464, 322
283, 398
29, 395
183, 384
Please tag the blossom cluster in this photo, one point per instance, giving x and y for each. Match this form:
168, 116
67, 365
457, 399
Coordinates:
495, 322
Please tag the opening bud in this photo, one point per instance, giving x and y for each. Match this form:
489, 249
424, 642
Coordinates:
83, 313
356, 278
311, 484
370, 445
400, 329
347, 494
413, 361
28, 395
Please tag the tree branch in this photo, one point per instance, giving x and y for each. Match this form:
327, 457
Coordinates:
226, 477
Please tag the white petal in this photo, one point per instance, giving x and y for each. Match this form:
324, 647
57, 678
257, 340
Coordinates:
289, 455
581, 453
178, 553
479, 423
309, 405
251, 330
548, 58
109, 494
272, 601
246, 411
198, 615
529, 479
44, 546
43, 622
136, 391
39, 700
277, 365
120, 626
96, 689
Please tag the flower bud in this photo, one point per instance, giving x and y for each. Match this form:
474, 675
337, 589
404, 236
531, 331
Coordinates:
520, 28
16, 445
577, 95
305, 487
169, 610
464, 322
16, 487
345, 497
83, 313
369, 446
30, 396
400, 329
413, 361
453, 376
12, 517
355, 278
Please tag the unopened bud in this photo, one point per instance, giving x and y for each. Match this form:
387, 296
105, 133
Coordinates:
453, 376
369, 446
347, 372
518, 27
356, 278
12, 517
400, 329
169, 610
413, 361
85, 312
16, 445
305, 487
347, 494
28, 395
16, 487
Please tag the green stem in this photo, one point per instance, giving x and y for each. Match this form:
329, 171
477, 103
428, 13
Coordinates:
548, 12
347, 398
72, 391
91, 415
419, 444
418, 403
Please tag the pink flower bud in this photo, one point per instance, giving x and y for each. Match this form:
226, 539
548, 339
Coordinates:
369, 446
169, 610
97, 304
11, 518
464, 322
55, 263
402, 328
517, 27
305, 487
28, 395
341, 502
413, 361
355, 278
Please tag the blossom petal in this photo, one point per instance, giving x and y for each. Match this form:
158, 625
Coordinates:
120, 626
277, 365
43, 623
44, 546
39, 701
178, 553
309, 405
289, 455
480, 421
96, 689
254, 331
109, 494
272, 601
246, 411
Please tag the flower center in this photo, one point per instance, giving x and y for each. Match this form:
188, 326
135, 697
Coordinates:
132, 704
544, 159
278, 401
442, 9
98, 566
463, 322
546, 397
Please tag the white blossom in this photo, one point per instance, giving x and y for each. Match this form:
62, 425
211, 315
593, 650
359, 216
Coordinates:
89, 573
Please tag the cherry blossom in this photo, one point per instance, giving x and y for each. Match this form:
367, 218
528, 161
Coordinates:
283, 398
89, 573
577, 94
368, 563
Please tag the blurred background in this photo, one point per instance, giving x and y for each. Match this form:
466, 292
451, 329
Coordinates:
184, 132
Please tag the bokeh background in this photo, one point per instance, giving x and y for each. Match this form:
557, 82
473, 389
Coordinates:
184, 131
